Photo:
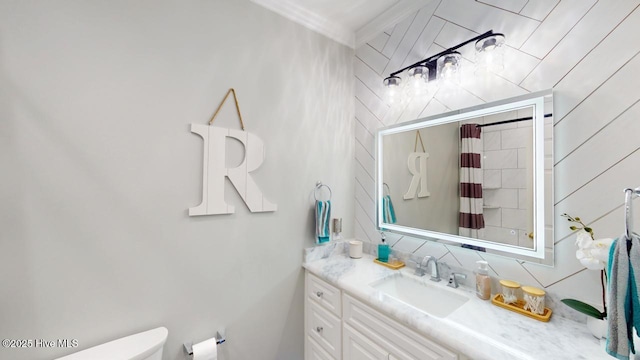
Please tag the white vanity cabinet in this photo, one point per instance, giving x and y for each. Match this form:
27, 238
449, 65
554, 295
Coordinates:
398, 341
338, 326
322, 324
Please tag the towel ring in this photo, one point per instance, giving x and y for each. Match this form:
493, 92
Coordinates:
319, 186
385, 187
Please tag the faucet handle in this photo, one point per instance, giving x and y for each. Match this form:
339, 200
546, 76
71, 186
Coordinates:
453, 279
419, 268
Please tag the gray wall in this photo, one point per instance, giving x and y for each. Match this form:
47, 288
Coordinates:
99, 168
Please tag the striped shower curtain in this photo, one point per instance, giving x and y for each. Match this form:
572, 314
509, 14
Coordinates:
471, 218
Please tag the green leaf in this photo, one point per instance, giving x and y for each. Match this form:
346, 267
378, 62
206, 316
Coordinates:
577, 218
584, 308
572, 227
588, 229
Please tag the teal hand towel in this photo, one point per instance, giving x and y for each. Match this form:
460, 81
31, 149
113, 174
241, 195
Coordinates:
388, 213
323, 215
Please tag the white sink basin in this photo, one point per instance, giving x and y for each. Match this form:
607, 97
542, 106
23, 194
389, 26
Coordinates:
430, 298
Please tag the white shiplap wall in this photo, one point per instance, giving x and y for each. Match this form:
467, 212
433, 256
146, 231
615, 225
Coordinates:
587, 51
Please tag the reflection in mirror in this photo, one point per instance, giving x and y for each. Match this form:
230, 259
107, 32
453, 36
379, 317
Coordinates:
480, 177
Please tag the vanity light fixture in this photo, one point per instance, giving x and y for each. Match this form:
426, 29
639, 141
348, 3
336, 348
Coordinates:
446, 64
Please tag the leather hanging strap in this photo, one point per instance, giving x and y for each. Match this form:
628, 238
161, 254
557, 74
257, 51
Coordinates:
231, 90
415, 146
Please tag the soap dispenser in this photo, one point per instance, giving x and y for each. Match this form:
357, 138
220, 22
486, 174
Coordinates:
483, 281
383, 250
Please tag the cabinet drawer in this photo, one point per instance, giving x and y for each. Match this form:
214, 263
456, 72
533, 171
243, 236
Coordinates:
324, 328
402, 343
323, 293
314, 351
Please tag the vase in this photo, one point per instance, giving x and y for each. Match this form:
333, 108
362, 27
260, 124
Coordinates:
597, 327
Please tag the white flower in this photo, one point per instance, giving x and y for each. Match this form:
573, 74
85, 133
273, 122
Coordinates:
593, 254
583, 239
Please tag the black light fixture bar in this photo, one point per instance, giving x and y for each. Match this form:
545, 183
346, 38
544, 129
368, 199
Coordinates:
429, 61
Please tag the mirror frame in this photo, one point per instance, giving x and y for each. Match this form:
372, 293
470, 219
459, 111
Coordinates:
533, 99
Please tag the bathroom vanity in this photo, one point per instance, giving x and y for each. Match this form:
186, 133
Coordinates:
349, 316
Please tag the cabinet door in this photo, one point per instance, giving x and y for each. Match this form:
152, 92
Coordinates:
401, 342
356, 346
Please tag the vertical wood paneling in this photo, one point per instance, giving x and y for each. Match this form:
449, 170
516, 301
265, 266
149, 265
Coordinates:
596, 102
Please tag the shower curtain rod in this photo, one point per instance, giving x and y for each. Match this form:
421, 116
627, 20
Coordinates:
511, 121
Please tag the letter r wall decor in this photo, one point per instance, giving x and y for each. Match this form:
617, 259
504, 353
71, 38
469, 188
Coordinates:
214, 170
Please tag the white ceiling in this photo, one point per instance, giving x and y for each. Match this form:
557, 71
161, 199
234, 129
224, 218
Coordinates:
350, 22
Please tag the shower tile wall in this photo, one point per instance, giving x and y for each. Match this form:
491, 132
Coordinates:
505, 179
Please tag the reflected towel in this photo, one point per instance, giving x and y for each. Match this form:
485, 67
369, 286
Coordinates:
388, 213
624, 307
323, 214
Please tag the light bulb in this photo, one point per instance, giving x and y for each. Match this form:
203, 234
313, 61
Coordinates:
490, 54
448, 66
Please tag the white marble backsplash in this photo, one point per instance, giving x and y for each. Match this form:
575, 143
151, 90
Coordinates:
323, 251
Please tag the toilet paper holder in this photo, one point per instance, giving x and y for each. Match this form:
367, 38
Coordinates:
188, 346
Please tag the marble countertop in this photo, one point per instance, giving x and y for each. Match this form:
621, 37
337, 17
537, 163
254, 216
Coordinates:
478, 329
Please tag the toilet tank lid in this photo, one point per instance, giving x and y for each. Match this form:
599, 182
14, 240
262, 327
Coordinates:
134, 347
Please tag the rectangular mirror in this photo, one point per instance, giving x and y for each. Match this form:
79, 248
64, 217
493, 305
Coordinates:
480, 177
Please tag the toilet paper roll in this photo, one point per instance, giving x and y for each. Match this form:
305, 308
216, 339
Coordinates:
205, 350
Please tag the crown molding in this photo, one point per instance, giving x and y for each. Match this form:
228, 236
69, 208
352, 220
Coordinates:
310, 20
395, 14
339, 32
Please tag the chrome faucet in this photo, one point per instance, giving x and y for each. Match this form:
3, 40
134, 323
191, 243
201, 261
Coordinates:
435, 274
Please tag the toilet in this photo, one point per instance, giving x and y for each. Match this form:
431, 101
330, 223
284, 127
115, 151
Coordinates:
146, 345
